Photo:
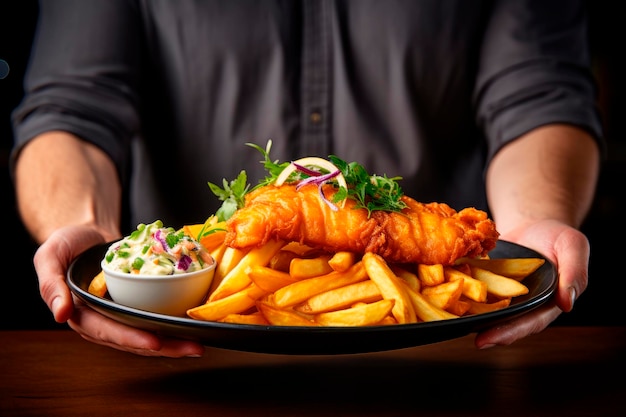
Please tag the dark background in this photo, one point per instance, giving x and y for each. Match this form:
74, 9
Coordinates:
602, 304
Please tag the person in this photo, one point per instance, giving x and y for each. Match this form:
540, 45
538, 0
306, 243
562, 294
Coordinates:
131, 107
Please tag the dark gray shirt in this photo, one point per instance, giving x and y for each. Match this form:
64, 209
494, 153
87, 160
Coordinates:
428, 90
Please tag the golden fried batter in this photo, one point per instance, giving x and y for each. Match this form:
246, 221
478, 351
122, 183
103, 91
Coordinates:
431, 233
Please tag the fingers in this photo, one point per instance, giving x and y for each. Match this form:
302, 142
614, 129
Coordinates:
51, 273
52, 260
572, 251
569, 250
511, 331
101, 330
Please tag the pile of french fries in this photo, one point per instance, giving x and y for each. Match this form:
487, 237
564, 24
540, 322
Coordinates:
290, 284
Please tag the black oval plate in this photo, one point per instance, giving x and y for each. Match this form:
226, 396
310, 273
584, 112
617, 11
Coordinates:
314, 340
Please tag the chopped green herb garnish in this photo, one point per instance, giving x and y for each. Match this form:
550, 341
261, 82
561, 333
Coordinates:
172, 239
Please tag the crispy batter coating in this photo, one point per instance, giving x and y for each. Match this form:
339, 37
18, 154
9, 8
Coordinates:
431, 233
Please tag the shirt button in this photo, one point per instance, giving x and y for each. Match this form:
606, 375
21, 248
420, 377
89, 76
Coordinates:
315, 117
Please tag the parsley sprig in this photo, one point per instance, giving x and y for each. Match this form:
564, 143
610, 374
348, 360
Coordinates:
370, 192
232, 194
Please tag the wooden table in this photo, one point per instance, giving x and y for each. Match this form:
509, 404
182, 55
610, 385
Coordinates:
563, 371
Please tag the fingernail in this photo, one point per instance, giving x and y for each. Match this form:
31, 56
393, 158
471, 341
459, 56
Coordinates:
195, 355
55, 305
487, 346
572, 296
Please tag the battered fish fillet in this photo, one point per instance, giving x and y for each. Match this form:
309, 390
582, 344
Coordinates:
431, 233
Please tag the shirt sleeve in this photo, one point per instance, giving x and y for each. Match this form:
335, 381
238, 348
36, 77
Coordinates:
534, 70
82, 77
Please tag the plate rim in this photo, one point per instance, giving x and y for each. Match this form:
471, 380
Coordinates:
243, 334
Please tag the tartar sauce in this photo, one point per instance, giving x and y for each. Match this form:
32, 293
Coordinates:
153, 249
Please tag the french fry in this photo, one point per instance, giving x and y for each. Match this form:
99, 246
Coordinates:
282, 260
365, 314
212, 230
342, 260
460, 307
479, 308
408, 276
296, 285
424, 309
269, 279
465, 268
430, 274
283, 317
390, 286
444, 295
235, 303
387, 321
472, 288
300, 291
340, 298
229, 258
193, 230
213, 240
516, 268
301, 268
237, 278
499, 285
253, 318
218, 253
98, 285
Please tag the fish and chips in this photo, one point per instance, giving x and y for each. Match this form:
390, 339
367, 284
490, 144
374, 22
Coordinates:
300, 252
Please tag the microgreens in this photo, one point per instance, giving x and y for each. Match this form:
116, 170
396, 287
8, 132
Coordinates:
370, 192
273, 168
